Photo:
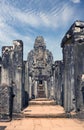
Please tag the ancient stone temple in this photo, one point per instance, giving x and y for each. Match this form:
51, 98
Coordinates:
73, 58
40, 78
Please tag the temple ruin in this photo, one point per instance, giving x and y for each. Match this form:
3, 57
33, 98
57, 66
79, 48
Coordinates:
42, 77
73, 60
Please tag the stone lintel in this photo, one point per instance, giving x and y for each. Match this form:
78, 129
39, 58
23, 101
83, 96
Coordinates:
76, 30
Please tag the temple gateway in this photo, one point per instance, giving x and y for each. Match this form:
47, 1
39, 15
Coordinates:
42, 77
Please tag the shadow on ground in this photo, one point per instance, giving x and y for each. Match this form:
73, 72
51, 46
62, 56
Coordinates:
2, 127
79, 116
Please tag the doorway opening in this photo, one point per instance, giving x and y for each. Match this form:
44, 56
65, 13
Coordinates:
41, 89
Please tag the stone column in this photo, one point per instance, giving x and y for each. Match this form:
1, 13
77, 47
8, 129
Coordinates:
72, 75
26, 86
52, 94
35, 89
69, 95
46, 89
66, 90
26, 76
30, 87
18, 75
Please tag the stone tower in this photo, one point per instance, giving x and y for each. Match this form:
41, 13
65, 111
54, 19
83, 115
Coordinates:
40, 77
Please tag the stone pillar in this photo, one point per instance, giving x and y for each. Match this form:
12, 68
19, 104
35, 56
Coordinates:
18, 75
52, 94
66, 85
46, 89
30, 87
58, 82
35, 89
72, 83
69, 87
26, 86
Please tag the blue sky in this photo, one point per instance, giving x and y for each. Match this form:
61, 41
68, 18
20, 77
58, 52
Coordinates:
26, 19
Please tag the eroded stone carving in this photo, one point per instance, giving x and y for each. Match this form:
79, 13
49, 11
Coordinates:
40, 64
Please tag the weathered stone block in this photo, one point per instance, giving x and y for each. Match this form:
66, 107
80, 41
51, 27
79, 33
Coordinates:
7, 65
6, 102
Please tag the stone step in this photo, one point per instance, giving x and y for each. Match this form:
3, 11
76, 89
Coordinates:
42, 102
26, 115
41, 99
39, 111
61, 115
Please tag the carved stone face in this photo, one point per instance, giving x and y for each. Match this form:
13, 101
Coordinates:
39, 54
39, 42
39, 39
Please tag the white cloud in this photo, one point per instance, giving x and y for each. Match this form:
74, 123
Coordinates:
75, 1
36, 20
11, 16
45, 19
67, 14
8, 34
